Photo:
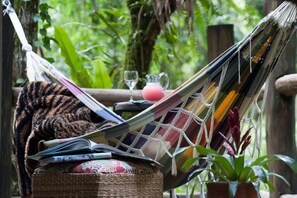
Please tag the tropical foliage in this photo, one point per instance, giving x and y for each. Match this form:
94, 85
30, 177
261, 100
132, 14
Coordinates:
99, 30
234, 166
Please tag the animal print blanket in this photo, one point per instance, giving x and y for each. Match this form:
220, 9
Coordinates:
43, 112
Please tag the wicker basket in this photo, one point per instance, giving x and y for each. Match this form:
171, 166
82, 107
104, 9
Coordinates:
97, 185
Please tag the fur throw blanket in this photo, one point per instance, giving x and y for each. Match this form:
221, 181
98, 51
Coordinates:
43, 112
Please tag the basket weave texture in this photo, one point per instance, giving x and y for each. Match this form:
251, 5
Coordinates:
97, 185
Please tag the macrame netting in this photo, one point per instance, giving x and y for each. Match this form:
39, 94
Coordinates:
195, 112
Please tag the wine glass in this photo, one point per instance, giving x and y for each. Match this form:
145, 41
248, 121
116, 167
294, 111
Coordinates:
131, 79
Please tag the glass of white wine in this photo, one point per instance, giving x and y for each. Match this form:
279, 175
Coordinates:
131, 79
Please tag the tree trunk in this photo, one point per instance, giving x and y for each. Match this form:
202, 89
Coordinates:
280, 121
25, 11
144, 32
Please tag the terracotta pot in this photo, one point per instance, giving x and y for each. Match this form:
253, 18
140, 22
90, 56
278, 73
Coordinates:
221, 190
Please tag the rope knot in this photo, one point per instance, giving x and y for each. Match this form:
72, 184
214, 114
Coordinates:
7, 4
27, 48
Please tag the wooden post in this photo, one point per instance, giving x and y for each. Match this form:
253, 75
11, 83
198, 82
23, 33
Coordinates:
6, 51
280, 122
219, 38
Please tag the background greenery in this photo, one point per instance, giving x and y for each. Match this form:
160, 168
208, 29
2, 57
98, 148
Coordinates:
98, 31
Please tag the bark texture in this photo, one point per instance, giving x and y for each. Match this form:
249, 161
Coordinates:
144, 32
280, 119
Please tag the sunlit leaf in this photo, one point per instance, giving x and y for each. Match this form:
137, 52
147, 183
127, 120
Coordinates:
78, 73
101, 76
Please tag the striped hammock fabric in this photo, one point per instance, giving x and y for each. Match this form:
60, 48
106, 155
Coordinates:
193, 113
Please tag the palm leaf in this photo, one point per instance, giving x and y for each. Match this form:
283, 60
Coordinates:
78, 73
101, 77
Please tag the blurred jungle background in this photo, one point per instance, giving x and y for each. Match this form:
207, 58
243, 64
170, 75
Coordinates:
103, 37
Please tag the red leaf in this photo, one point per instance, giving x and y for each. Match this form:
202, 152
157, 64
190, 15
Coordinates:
233, 118
235, 131
228, 145
246, 135
229, 149
245, 144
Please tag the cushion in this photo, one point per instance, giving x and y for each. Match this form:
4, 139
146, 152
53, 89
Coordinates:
109, 166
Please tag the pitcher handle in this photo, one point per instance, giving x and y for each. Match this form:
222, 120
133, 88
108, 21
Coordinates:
167, 79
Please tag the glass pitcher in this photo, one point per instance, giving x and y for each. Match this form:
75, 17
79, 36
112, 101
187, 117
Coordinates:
153, 90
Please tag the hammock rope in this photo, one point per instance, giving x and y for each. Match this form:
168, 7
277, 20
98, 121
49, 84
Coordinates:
195, 112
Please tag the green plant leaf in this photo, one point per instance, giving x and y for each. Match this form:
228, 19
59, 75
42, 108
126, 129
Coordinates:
289, 161
230, 159
270, 186
261, 161
233, 188
206, 151
219, 175
239, 164
101, 77
259, 172
245, 174
78, 73
189, 163
226, 166
279, 176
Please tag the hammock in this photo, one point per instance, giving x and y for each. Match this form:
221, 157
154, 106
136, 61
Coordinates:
194, 112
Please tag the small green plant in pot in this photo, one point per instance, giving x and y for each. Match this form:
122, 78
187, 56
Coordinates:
234, 167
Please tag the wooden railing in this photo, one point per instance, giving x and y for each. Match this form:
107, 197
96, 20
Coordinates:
285, 85
108, 97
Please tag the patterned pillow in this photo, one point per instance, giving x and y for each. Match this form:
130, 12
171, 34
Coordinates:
107, 166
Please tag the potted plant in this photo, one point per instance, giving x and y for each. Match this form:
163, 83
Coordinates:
233, 171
